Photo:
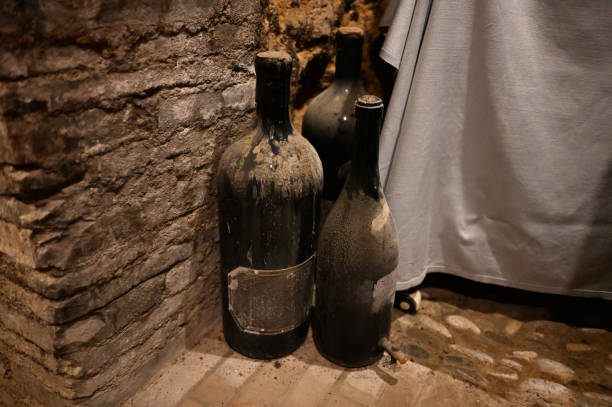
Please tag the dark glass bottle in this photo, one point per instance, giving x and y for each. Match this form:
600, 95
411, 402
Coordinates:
269, 185
329, 122
357, 256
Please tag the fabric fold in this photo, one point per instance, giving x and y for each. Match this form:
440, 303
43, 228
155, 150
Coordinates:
496, 153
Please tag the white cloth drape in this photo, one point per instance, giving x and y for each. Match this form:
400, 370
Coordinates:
496, 152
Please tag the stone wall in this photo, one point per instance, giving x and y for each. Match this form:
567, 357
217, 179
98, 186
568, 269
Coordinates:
113, 115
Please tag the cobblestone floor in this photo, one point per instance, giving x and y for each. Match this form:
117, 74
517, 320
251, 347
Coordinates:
472, 345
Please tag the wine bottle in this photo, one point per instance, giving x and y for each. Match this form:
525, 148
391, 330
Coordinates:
357, 256
329, 122
269, 188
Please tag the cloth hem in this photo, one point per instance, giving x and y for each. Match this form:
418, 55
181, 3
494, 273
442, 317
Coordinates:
389, 58
405, 285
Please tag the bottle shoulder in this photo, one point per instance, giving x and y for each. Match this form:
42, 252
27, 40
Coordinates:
357, 211
334, 98
359, 237
330, 116
290, 168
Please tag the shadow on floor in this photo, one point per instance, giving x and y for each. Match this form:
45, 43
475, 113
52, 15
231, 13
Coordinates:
518, 304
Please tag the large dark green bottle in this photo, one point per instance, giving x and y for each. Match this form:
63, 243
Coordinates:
329, 122
357, 256
269, 185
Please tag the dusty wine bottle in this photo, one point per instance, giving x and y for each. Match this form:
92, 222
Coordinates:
329, 122
269, 186
357, 256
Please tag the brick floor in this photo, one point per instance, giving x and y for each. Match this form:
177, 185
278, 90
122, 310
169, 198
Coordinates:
174, 382
212, 374
363, 386
225, 381
516, 357
271, 382
313, 387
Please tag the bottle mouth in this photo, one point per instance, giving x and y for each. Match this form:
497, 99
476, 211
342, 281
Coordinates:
350, 32
274, 56
273, 64
369, 102
273, 76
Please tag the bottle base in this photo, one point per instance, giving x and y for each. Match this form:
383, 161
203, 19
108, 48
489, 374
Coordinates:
348, 364
265, 347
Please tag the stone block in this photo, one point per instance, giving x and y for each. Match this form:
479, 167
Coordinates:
242, 9
47, 382
179, 277
11, 209
181, 12
21, 63
125, 365
135, 302
94, 357
13, 340
240, 97
96, 271
29, 138
82, 302
187, 110
15, 243
12, 64
35, 215
18, 308
18, 391
164, 48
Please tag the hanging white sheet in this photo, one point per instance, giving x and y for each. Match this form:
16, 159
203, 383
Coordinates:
496, 151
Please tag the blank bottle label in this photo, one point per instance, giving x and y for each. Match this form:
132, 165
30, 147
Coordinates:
267, 302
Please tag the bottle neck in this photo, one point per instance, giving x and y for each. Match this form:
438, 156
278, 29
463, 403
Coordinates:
272, 95
348, 57
364, 163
